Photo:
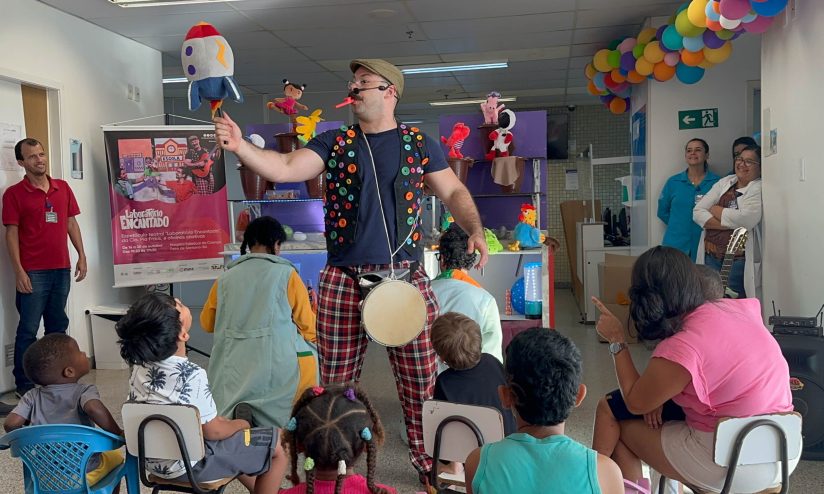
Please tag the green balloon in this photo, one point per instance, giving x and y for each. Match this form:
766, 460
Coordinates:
614, 59
638, 50
289, 232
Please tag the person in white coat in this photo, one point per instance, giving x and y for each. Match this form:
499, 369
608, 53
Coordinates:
734, 201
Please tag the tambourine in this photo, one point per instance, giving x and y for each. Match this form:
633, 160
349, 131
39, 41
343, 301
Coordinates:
393, 312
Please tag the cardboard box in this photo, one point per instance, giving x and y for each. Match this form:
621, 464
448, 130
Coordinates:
615, 275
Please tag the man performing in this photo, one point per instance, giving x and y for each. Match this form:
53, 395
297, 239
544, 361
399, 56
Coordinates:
375, 172
38, 213
199, 162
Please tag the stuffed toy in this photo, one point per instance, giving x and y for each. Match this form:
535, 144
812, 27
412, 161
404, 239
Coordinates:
456, 141
491, 108
502, 136
492, 242
209, 64
526, 235
286, 105
306, 125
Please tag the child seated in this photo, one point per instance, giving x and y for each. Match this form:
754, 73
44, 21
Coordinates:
153, 336
543, 370
472, 377
55, 363
332, 426
711, 284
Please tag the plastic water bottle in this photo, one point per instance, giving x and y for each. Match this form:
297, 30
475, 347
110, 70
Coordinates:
533, 304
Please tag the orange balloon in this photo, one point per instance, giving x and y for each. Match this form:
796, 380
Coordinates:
617, 106
663, 72
692, 58
590, 71
716, 6
617, 76
592, 89
633, 77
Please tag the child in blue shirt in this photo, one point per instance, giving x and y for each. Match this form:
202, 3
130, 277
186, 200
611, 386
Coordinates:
543, 370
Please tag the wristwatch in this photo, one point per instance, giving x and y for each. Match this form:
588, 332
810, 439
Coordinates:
616, 348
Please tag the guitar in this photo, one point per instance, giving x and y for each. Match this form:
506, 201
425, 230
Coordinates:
736, 244
204, 167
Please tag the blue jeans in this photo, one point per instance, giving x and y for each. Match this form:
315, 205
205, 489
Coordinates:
736, 279
50, 289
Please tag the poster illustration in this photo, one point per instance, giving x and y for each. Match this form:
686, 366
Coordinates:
167, 191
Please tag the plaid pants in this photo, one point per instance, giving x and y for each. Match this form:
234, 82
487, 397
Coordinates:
342, 345
206, 185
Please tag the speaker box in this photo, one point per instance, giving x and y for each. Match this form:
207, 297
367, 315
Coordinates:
805, 356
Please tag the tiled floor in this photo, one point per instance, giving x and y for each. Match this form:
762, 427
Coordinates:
394, 467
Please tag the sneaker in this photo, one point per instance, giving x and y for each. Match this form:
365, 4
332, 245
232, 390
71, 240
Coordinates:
244, 411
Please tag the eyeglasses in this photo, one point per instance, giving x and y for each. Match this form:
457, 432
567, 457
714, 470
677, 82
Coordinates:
363, 82
741, 161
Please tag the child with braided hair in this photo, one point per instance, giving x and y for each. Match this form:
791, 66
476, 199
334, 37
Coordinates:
332, 426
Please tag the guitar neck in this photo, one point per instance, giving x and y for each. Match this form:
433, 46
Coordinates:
726, 267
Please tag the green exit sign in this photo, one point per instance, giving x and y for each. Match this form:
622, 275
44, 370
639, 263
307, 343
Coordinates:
698, 119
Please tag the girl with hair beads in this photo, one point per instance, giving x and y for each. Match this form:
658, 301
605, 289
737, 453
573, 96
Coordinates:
332, 426
260, 313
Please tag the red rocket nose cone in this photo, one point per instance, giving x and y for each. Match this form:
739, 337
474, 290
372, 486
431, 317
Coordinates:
202, 30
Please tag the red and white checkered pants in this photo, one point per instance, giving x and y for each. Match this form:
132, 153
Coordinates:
206, 185
342, 345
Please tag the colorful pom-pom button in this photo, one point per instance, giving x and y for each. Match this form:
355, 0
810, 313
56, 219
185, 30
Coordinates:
419, 137
332, 214
410, 160
351, 154
409, 210
407, 147
405, 170
351, 197
350, 133
416, 236
333, 235
348, 181
342, 191
408, 241
340, 240
336, 206
342, 222
347, 206
414, 129
409, 196
406, 138
344, 128
332, 163
410, 221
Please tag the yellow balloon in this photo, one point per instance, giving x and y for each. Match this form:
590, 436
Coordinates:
646, 35
644, 66
686, 28
653, 52
718, 55
590, 71
697, 12
705, 64
600, 61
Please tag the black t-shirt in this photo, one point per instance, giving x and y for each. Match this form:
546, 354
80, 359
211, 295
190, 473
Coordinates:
371, 247
476, 386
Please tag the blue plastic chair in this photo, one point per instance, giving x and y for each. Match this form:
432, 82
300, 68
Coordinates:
55, 457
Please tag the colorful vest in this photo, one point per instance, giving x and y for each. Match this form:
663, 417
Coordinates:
344, 183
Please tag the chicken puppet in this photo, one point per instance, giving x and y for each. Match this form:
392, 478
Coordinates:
209, 63
526, 236
456, 141
491, 108
502, 136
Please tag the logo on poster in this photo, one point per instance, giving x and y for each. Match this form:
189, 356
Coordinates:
149, 218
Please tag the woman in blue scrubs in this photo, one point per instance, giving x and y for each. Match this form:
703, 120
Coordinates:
680, 195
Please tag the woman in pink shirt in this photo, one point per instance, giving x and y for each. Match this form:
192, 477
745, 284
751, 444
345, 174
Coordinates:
715, 359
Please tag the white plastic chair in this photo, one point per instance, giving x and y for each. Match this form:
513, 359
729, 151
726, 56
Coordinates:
451, 431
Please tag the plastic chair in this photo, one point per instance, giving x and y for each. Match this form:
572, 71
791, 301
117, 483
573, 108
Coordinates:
768, 439
451, 431
170, 432
55, 457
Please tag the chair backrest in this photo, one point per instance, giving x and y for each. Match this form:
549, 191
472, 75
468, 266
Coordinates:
762, 445
160, 439
56, 455
457, 439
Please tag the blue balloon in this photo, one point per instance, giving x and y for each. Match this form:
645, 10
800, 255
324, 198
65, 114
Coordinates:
672, 40
516, 294
687, 74
598, 81
769, 8
695, 43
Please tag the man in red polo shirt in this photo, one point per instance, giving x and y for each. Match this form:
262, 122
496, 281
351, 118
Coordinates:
38, 213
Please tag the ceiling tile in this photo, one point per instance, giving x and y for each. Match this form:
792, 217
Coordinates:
437, 10
519, 25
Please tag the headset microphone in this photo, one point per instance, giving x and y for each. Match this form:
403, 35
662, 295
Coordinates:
357, 90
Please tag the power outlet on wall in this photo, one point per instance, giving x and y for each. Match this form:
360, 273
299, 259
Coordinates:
8, 358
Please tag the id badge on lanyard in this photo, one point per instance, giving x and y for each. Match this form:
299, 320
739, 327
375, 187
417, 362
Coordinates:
51, 216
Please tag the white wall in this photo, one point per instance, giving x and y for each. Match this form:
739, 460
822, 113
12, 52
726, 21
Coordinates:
791, 89
91, 68
724, 87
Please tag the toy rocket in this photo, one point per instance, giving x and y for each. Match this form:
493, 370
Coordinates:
209, 64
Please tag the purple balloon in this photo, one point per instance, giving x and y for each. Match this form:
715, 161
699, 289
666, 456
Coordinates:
627, 61
734, 9
659, 33
605, 99
711, 40
737, 35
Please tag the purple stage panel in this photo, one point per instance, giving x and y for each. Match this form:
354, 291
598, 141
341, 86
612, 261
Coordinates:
529, 132
302, 216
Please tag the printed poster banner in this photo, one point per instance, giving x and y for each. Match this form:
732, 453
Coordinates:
167, 191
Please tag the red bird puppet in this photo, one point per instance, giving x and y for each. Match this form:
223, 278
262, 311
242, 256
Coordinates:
456, 141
